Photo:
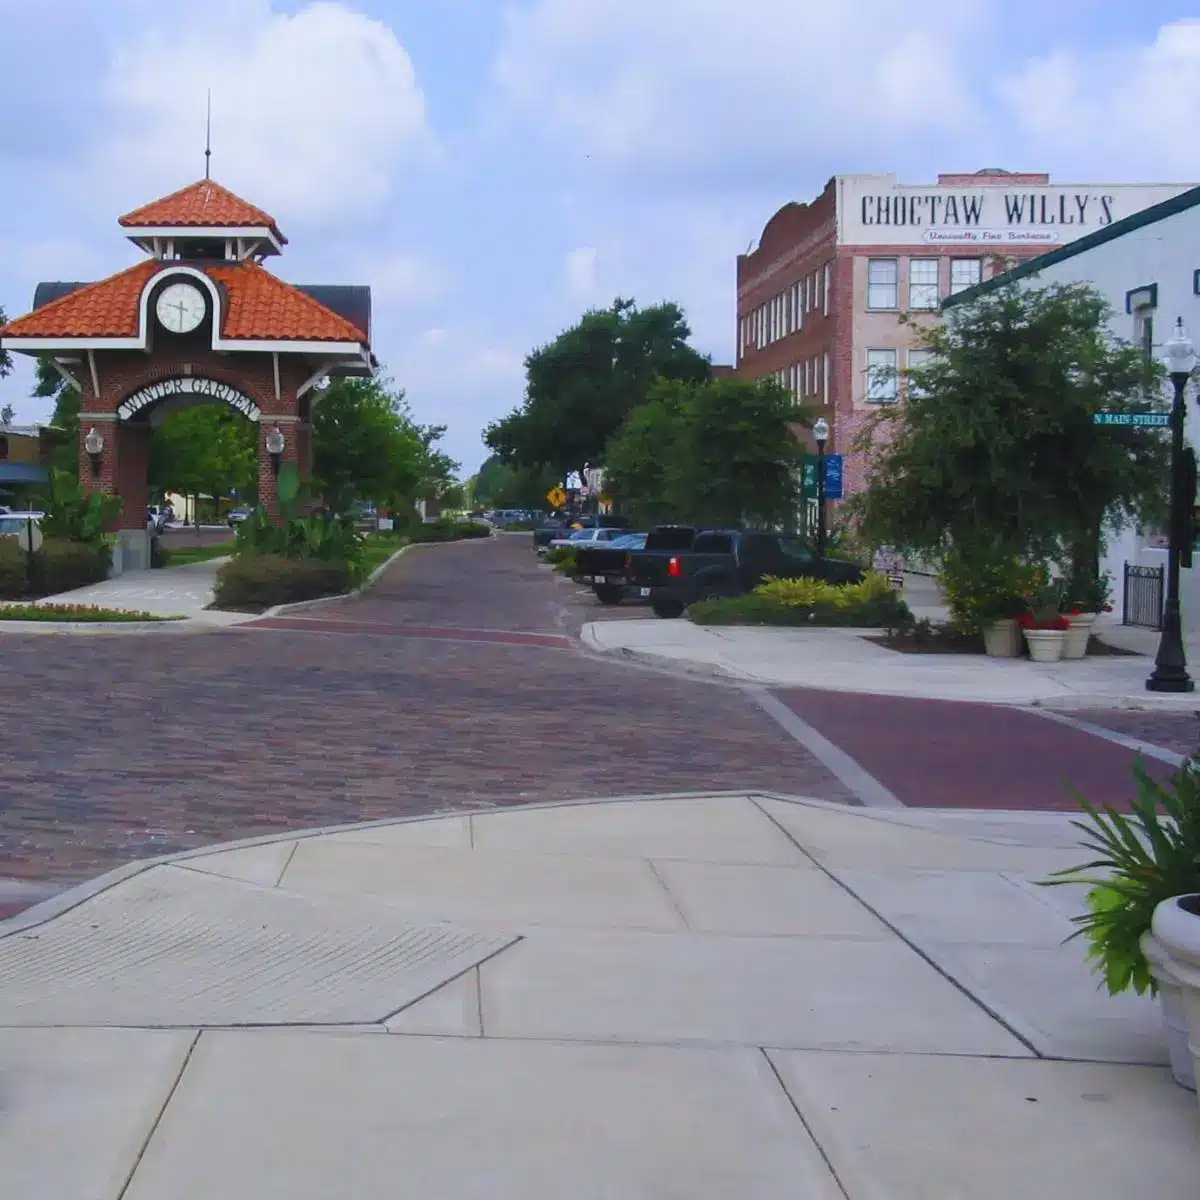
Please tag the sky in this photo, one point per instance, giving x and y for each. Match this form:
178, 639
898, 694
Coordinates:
492, 170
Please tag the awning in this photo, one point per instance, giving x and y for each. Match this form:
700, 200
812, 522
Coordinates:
23, 473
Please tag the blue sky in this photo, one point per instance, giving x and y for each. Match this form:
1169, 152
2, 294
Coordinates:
493, 169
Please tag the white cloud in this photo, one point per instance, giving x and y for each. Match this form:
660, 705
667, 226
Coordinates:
1136, 108
581, 272
312, 112
434, 337
397, 279
687, 87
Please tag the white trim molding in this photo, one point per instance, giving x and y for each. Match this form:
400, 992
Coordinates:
66, 375
171, 233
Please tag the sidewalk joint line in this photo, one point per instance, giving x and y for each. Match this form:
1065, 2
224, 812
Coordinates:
829, 873
868, 790
291, 855
141, 1154
662, 883
812, 1137
1149, 749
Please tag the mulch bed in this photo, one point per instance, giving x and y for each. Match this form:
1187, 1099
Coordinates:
950, 641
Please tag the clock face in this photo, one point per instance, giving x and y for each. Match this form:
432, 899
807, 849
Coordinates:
180, 307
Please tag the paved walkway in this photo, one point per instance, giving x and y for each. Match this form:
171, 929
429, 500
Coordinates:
697, 998
847, 660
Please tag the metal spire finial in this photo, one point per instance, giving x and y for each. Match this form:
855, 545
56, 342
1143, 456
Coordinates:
208, 137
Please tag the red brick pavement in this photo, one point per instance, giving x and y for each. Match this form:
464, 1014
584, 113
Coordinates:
1177, 731
944, 754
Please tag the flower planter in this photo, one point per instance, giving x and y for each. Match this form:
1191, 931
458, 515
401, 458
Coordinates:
1176, 928
1078, 635
1002, 639
1174, 1011
1045, 645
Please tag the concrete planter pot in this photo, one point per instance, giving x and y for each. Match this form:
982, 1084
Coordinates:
1174, 1011
1045, 645
1176, 928
1002, 639
1078, 635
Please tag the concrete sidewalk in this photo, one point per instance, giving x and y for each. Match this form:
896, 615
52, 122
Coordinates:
695, 997
848, 660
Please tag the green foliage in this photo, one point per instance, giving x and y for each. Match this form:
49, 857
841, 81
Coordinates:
74, 514
207, 448
983, 584
449, 531
582, 386
564, 560
253, 582
5, 357
324, 539
58, 566
50, 385
1140, 860
996, 434
808, 603
498, 485
720, 452
77, 613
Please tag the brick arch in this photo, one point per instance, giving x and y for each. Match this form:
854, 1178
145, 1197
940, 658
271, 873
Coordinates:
260, 391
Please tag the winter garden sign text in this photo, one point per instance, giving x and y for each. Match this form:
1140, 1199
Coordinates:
211, 389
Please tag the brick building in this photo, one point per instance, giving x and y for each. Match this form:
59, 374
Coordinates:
819, 299
199, 320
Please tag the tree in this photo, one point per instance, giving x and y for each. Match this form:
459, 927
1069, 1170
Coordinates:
497, 485
721, 452
995, 446
581, 386
6, 363
366, 446
207, 449
8, 415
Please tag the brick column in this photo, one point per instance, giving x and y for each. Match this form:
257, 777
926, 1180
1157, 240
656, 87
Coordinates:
105, 480
132, 470
268, 484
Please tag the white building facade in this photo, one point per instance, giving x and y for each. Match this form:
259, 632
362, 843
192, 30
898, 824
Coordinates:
1148, 268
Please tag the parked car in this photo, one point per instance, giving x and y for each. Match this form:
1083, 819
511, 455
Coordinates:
728, 562
156, 518
14, 524
604, 567
238, 515
545, 534
578, 538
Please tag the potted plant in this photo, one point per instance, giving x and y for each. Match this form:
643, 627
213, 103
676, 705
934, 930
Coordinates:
1085, 600
1143, 862
986, 593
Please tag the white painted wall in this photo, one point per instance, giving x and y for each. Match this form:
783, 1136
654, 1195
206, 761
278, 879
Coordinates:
1167, 254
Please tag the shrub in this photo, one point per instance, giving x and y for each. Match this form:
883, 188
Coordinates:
564, 560
74, 514
982, 587
810, 593
877, 612
449, 531
58, 567
76, 613
13, 568
254, 582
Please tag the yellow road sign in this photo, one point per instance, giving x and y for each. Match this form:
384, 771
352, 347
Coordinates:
557, 497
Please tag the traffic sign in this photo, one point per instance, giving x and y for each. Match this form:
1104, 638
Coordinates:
557, 497
1139, 420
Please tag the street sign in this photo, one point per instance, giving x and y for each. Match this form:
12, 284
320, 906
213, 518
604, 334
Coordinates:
833, 477
557, 497
1138, 420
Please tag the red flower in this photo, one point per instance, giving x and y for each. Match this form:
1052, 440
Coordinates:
1077, 612
1025, 620
1108, 608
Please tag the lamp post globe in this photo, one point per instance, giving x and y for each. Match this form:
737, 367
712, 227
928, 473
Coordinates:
1170, 663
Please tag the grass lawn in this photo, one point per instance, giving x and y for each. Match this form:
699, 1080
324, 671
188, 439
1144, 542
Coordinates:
86, 613
178, 556
379, 547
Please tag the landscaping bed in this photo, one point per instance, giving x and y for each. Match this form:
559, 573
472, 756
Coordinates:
75, 613
925, 638
812, 603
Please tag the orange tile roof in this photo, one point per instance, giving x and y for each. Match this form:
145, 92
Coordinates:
105, 309
262, 307
201, 205
257, 306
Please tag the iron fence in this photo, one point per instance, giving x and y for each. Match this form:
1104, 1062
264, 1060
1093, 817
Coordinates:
1143, 596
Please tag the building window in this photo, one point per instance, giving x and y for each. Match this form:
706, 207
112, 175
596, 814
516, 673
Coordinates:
965, 273
916, 360
923, 283
796, 307
881, 376
881, 282
825, 291
825, 393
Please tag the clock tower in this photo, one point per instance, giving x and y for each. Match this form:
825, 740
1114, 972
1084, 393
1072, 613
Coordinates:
199, 320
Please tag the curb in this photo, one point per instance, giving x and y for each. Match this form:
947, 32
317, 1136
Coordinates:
280, 610
69, 898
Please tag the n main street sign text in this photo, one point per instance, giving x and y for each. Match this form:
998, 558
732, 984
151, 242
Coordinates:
1142, 420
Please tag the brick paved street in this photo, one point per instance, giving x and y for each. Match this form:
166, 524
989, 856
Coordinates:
133, 746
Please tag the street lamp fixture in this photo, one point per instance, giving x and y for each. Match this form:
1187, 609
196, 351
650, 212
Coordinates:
275, 448
1170, 664
821, 433
94, 445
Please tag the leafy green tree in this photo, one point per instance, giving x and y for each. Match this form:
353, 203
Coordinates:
497, 485
995, 449
207, 449
5, 358
581, 386
8, 415
721, 452
50, 385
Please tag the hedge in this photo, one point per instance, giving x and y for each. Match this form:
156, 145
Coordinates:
253, 582
58, 567
448, 531
879, 612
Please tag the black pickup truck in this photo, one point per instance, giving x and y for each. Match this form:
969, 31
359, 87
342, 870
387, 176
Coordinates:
561, 525
606, 569
727, 563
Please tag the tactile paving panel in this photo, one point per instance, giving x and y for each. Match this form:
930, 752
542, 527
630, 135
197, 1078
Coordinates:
173, 947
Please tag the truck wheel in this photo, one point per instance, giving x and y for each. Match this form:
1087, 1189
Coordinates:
607, 593
667, 608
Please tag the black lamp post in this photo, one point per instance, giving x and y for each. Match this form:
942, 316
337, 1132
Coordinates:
1170, 664
821, 433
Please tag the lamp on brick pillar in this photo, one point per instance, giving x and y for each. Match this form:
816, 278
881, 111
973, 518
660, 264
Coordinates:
94, 445
275, 447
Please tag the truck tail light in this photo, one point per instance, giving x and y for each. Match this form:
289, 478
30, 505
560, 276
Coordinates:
673, 568
629, 562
